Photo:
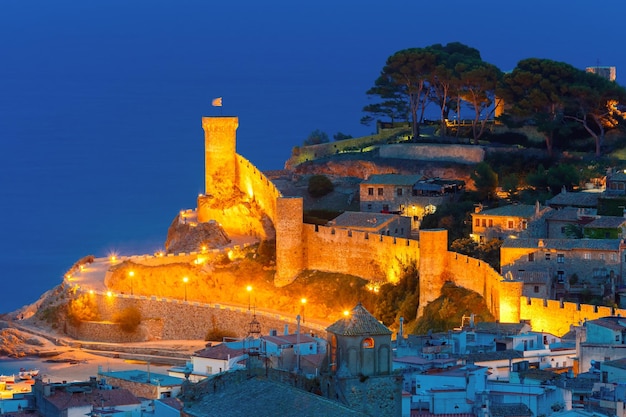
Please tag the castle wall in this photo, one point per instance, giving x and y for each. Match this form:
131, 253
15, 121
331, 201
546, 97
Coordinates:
464, 154
171, 319
289, 248
556, 317
371, 256
257, 186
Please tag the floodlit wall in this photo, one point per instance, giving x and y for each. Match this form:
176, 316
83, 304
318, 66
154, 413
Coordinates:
257, 186
555, 316
371, 256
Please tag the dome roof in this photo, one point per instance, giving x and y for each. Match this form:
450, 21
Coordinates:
359, 323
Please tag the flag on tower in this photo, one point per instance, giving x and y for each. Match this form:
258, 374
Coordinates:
217, 102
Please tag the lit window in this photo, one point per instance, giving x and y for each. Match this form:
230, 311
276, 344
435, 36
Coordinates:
587, 255
368, 343
509, 224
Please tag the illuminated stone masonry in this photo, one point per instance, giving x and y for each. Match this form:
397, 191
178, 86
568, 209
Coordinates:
299, 246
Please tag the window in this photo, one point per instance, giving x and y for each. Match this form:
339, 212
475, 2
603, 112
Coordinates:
399, 192
586, 255
368, 343
484, 223
531, 257
613, 257
380, 191
560, 258
370, 191
369, 206
560, 275
477, 222
509, 224
524, 224
490, 222
536, 289
601, 256
547, 256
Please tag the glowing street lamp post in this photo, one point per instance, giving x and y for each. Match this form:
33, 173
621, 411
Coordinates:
303, 301
185, 281
249, 289
131, 274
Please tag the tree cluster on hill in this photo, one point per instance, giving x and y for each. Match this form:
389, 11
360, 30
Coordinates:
553, 97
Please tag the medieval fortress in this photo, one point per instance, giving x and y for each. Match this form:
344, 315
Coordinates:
230, 178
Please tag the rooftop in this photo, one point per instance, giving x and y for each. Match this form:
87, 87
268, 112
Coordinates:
65, 399
221, 352
563, 244
362, 220
587, 199
143, 377
358, 323
259, 396
513, 210
606, 222
392, 179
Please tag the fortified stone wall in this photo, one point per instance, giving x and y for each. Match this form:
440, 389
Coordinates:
501, 296
168, 319
464, 154
555, 316
370, 256
301, 154
257, 186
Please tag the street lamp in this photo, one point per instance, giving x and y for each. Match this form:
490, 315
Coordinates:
303, 301
249, 289
185, 281
131, 274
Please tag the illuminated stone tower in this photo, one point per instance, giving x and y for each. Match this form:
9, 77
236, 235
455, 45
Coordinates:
432, 264
220, 140
289, 240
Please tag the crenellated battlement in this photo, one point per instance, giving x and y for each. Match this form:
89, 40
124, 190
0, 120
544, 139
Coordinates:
375, 257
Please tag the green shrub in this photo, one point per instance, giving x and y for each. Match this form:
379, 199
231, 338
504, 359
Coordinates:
81, 309
319, 186
128, 319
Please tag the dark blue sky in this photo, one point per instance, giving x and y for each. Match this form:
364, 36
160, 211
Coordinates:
100, 101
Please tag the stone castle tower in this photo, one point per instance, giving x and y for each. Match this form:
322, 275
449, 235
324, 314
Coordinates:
432, 264
236, 196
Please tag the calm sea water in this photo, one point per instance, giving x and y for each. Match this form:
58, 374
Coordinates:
100, 103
